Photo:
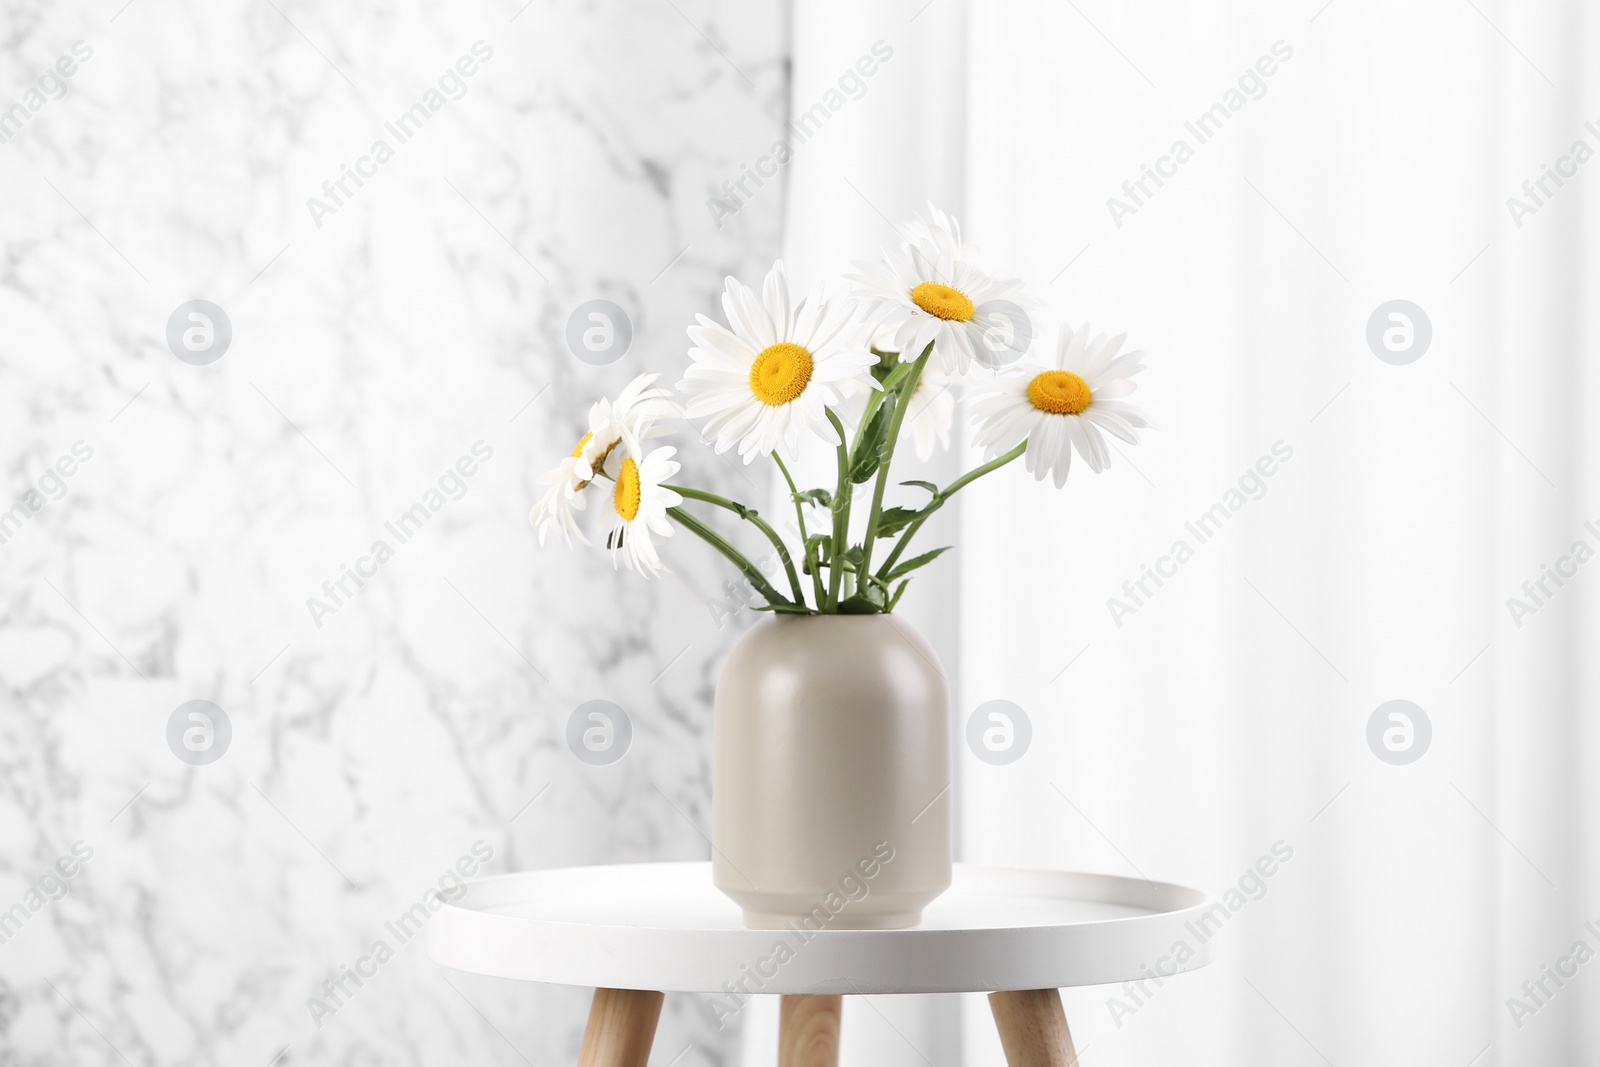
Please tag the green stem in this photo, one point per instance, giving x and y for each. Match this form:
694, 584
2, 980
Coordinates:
805, 538
841, 515
939, 500
734, 556
874, 401
752, 516
902, 402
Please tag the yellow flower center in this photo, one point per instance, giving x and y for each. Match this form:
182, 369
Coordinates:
576, 452
943, 302
625, 498
780, 373
1060, 392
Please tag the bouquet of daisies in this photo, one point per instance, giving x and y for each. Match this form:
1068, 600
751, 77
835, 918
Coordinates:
855, 369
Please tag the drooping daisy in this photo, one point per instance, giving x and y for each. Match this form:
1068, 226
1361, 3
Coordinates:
766, 379
628, 421
930, 412
555, 508
639, 503
1065, 407
931, 290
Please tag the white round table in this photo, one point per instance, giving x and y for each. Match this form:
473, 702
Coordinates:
635, 931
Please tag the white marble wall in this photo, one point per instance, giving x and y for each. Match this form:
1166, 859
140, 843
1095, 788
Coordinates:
371, 348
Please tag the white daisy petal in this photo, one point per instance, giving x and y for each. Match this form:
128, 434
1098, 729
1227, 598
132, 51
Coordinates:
1073, 428
1110, 424
775, 294
1124, 411
1115, 389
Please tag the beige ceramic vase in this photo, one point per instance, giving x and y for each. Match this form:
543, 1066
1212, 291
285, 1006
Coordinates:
831, 774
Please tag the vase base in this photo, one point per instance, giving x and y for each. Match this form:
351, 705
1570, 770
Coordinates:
772, 920
820, 908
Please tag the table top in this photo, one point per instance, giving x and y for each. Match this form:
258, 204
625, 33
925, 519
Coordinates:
664, 926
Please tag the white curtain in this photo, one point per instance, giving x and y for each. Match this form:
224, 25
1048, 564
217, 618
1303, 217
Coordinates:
1376, 516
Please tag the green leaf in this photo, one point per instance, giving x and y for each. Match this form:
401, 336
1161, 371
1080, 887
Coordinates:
893, 520
863, 603
929, 486
821, 545
916, 561
898, 593
850, 562
820, 497
864, 464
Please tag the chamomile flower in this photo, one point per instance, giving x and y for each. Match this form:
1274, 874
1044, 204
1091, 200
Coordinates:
769, 376
628, 421
930, 412
931, 290
639, 503
1061, 408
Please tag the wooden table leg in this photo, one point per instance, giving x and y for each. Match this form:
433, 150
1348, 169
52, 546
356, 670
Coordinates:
622, 1025
808, 1030
1033, 1028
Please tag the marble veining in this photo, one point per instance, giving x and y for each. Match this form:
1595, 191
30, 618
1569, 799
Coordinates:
233, 911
